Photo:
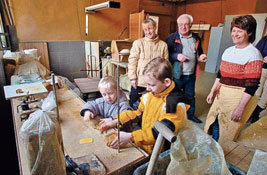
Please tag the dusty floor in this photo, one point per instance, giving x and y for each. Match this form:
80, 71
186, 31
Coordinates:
204, 83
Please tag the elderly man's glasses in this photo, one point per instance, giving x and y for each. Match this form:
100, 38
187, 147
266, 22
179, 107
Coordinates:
181, 24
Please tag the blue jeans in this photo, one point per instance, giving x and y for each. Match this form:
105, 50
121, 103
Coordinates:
187, 84
215, 130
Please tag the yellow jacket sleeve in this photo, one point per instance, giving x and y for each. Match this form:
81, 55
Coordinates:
125, 116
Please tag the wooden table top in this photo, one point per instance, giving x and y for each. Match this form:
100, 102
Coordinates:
75, 128
87, 85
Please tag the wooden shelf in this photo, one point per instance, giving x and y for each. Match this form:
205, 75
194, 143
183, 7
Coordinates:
117, 46
121, 64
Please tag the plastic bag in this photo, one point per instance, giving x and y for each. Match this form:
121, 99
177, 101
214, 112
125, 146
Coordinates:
41, 136
258, 164
194, 152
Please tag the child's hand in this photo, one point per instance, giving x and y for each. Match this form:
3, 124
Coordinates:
88, 115
105, 124
125, 137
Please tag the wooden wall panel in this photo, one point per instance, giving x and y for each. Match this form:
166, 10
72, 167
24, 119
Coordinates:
108, 23
261, 6
52, 20
207, 13
214, 12
135, 25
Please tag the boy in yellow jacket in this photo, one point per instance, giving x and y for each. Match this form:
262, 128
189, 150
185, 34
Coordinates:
163, 103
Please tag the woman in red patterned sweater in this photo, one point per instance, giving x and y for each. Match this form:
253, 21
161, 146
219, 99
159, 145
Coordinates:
236, 83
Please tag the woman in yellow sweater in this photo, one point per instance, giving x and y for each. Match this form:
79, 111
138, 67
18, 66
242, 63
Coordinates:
143, 51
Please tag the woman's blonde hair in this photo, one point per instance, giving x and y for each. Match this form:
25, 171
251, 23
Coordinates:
149, 21
107, 82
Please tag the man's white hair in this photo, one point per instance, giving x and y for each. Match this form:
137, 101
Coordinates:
185, 15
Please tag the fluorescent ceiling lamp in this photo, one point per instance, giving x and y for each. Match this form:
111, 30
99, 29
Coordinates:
97, 7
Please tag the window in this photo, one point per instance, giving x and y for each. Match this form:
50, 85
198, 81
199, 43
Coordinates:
4, 38
6, 27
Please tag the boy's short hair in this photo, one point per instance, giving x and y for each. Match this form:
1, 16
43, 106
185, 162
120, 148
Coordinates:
107, 82
149, 21
160, 69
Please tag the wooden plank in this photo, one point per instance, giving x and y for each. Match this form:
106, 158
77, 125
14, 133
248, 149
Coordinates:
92, 58
121, 64
87, 57
200, 27
237, 155
95, 59
228, 147
26, 89
87, 85
107, 67
42, 51
244, 164
136, 30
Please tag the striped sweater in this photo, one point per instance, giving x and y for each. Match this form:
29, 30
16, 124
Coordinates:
241, 67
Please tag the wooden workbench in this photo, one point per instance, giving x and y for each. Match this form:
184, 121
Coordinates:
73, 129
